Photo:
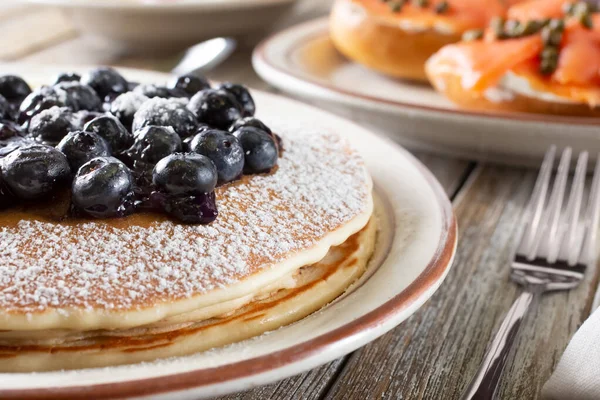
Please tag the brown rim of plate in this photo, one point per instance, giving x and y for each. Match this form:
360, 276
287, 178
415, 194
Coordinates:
433, 272
341, 94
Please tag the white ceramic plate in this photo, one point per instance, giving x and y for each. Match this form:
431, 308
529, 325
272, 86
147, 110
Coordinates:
303, 61
414, 252
168, 25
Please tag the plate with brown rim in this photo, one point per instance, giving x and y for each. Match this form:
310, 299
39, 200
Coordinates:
415, 248
303, 61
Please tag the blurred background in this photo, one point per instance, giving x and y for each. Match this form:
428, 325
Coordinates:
142, 34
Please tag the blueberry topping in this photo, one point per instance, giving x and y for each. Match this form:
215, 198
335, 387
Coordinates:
126, 105
67, 77
150, 90
195, 209
78, 96
242, 95
80, 118
14, 88
153, 143
111, 130
12, 138
8, 130
105, 81
185, 174
190, 84
223, 149
103, 187
34, 171
249, 121
51, 125
80, 147
6, 109
41, 99
216, 108
166, 112
260, 149
6, 197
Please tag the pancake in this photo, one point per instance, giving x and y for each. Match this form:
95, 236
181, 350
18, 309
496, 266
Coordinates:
306, 290
129, 272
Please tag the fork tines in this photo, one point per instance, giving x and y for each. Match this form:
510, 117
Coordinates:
557, 233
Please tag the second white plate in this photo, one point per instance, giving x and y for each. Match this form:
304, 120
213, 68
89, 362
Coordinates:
302, 61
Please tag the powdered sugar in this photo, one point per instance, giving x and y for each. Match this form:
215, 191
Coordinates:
320, 184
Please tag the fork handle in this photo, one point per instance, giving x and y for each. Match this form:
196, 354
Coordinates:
484, 384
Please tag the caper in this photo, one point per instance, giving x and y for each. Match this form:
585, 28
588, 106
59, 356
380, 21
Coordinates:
497, 26
551, 36
568, 8
581, 7
473, 34
548, 60
586, 20
513, 28
396, 6
549, 52
530, 27
441, 7
421, 3
548, 66
556, 24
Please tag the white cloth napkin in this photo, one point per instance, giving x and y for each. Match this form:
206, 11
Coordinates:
577, 376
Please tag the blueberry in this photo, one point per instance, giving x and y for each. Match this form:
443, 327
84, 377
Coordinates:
80, 147
77, 96
103, 187
80, 118
166, 112
112, 130
249, 121
6, 109
105, 81
126, 105
216, 108
195, 209
14, 88
34, 170
51, 125
12, 138
8, 130
153, 143
223, 149
67, 77
6, 197
188, 140
150, 90
242, 95
190, 84
37, 101
185, 174
260, 149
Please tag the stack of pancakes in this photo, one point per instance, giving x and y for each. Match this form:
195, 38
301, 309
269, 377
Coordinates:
91, 293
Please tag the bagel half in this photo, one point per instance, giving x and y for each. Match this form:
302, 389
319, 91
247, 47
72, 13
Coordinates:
382, 44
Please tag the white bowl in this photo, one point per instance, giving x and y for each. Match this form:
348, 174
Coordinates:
169, 25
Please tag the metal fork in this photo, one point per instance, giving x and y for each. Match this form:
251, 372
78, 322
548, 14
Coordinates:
555, 247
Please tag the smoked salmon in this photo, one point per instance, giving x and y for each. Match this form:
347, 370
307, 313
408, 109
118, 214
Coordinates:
559, 60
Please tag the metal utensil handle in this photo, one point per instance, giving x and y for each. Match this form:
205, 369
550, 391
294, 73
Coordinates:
484, 383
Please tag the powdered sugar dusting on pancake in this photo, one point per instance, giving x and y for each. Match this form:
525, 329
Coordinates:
320, 185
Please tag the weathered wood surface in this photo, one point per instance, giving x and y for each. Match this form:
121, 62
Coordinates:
432, 354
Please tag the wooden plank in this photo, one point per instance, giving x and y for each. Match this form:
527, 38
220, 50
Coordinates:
436, 351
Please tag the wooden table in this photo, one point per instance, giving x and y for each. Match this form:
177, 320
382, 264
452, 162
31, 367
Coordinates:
433, 354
